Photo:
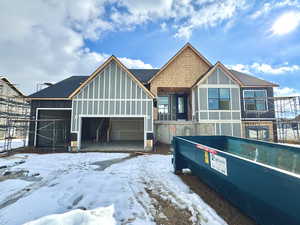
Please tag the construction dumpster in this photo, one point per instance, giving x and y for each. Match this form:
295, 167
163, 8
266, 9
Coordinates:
260, 178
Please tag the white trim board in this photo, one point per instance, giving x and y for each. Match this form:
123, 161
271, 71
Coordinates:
260, 119
112, 99
219, 86
219, 121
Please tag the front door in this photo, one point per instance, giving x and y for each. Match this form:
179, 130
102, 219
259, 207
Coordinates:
181, 109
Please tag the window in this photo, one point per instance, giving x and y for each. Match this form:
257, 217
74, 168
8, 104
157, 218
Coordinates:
163, 104
258, 132
218, 98
180, 105
255, 100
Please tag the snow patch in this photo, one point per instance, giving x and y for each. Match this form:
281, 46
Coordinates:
10, 187
15, 143
102, 215
72, 181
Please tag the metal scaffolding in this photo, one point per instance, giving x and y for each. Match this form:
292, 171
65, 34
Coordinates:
286, 123
13, 109
287, 110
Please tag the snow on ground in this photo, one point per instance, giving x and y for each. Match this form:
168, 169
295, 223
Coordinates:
9, 187
102, 215
95, 181
15, 143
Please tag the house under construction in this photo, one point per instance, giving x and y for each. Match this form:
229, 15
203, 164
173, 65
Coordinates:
118, 108
13, 109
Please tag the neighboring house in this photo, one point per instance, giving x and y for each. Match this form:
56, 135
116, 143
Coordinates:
12, 107
187, 96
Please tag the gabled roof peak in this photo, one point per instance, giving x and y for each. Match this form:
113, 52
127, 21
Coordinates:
187, 45
218, 64
101, 67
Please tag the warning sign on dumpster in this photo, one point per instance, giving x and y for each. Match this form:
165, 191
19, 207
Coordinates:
218, 163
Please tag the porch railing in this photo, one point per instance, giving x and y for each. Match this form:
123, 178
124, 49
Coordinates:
166, 116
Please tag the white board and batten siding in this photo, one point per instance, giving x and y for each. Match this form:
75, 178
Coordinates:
112, 93
223, 122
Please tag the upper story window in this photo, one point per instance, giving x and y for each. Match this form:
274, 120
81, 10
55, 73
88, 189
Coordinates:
218, 98
163, 104
255, 100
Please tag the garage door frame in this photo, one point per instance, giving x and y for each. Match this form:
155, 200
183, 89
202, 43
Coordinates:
110, 116
37, 117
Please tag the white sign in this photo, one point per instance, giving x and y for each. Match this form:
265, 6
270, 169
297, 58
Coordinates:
218, 163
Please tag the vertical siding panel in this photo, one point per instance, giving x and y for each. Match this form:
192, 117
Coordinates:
150, 122
198, 92
112, 85
96, 87
90, 90
100, 106
73, 113
84, 107
123, 85
126, 86
106, 82
130, 95
117, 112
112, 79
138, 107
105, 106
99, 85
118, 86
84, 92
128, 110
95, 112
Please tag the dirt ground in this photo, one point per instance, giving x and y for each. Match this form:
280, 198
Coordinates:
231, 214
167, 213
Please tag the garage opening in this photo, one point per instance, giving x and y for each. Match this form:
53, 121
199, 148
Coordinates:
53, 128
112, 134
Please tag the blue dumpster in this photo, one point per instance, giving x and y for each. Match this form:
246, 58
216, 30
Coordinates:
260, 178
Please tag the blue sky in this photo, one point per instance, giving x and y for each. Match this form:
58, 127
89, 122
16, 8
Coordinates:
51, 40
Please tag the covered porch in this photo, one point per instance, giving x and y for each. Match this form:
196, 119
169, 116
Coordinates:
174, 104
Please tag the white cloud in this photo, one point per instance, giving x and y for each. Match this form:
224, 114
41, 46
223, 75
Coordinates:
269, 6
240, 67
163, 26
135, 63
209, 15
265, 68
188, 15
45, 40
269, 69
286, 23
286, 91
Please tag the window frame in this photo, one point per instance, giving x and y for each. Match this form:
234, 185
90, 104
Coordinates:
257, 129
219, 99
168, 105
255, 99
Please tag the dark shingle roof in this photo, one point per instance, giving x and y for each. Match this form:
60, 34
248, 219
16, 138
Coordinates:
249, 80
61, 89
144, 75
65, 87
